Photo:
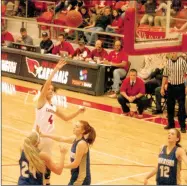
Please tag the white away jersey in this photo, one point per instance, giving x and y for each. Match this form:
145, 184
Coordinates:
45, 118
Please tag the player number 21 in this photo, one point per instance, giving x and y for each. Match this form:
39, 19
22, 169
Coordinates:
164, 171
50, 120
24, 169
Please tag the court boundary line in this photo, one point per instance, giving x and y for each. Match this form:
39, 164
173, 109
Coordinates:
120, 178
143, 119
118, 157
99, 152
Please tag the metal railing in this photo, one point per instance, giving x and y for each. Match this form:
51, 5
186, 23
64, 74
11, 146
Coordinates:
108, 38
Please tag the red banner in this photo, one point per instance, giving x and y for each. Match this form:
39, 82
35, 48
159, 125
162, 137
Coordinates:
150, 33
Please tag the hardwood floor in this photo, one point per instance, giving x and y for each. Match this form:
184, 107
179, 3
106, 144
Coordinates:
124, 151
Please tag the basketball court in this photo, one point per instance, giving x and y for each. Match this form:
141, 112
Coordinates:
125, 150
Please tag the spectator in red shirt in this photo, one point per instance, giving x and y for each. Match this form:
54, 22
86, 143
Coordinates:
6, 36
117, 23
132, 91
62, 47
99, 53
82, 52
117, 58
99, 25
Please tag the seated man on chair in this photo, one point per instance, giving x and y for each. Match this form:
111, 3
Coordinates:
82, 52
46, 44
25, 38
154, 82
117, 58
98, 54
158, 96
6, 36
132, 91
63, 48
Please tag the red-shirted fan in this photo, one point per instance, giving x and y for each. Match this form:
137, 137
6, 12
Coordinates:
46, 17
73, 18
3, 12
42, 6
119, 4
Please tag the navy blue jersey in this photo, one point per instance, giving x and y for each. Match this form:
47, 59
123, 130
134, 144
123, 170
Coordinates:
81, 174
168, 168
26, 177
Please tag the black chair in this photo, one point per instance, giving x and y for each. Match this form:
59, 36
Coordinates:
152, 99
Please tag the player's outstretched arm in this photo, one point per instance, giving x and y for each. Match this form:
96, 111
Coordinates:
59, 138
64, 117
151, 174
42, 97
57, 168
56, 138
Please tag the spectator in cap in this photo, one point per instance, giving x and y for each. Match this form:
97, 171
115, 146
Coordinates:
24, 39
46, 44
6, 36
82, 52
63, 48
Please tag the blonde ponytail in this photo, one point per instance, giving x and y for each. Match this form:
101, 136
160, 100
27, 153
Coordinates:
32, 154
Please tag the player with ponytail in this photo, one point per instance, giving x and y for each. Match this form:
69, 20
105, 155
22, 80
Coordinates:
169, 161
84, 136
33, 163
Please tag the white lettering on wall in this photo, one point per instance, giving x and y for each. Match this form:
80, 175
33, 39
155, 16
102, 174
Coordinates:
9, 66
8, 88
59, 100
59, 77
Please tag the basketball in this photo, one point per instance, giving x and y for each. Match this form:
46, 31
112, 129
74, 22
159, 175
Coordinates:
73, 18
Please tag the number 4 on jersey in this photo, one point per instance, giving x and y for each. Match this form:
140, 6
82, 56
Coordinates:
50, 120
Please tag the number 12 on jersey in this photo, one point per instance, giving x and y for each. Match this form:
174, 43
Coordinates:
50, 120
164, 171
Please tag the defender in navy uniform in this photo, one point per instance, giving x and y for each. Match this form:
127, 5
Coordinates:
83, 168
33, 163
169, 161
26, 177
168, 167
80, 157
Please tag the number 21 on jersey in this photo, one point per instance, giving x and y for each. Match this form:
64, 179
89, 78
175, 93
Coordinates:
24, 169
164, 171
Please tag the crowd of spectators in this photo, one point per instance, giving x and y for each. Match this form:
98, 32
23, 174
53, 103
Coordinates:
152, 7
107, 17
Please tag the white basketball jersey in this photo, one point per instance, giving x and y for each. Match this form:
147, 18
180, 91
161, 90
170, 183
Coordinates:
45, 118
